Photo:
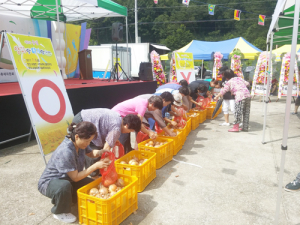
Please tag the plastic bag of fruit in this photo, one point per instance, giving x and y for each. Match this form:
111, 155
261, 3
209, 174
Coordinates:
158, 128
141, 136
205, 102
109, 174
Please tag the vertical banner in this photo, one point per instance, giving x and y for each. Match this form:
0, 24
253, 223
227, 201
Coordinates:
42, 87
261, 74
184, 63
211, 9
261, 20
284, 77
237, 14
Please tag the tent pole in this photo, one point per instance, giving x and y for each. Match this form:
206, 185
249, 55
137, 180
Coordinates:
202, 70
1, 41
287, 109
136, 22
265, 81
268, 88
128, 66
59, 42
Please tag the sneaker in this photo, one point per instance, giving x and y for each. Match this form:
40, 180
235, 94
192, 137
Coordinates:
65, 217
294, 113
224, 124
241, 125
293, 186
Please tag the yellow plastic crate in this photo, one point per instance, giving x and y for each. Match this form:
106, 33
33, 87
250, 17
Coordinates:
195, 121
145, 172
209, 113
203, 116
164, 153
96, 211
178, 141
189, 125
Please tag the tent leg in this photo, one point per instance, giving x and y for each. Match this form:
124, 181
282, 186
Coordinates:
128, 66
287, 109
268, 89
1, 42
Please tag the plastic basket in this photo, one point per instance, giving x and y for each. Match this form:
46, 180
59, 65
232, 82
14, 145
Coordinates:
145, 172
178, 141
209, 112
189, 125
96, 211
164, 153
195, 121
203, 116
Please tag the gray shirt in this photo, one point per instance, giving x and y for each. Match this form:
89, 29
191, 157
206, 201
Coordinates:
108, 124
63, 160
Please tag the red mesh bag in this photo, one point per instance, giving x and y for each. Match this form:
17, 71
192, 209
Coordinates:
118, 150
205, 102
158, 128
109, 174
181, 122
141, 136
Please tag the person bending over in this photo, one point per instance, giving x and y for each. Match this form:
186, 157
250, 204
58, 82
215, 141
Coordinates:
238, 87
110, 125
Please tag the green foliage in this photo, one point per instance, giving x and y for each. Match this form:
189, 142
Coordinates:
167, 27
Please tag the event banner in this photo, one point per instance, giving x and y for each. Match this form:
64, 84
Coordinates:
42, 87
184, 63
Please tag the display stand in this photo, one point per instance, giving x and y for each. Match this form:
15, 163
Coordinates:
217, 65
157, 69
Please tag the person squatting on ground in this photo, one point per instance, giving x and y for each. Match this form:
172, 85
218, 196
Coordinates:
110, 125
238, 87
64, 173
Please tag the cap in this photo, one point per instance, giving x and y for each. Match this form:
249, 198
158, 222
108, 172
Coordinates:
177, 99
222, 69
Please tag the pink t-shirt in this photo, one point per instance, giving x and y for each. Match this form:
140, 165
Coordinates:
136, 106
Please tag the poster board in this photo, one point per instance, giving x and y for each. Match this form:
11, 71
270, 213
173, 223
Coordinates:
184, 64
42, 87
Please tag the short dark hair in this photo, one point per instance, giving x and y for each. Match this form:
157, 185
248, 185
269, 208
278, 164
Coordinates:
202, 88
84, 130
167, 96
133, 122
183, 83
156, 101
184, 90
214, 81
223, 69
228, 74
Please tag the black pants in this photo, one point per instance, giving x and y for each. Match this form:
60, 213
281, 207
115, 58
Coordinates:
63, 193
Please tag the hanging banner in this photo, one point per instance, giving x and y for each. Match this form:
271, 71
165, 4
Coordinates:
261, 20
186, 2
261, 74
211, 9
157, 69
284, 77
184, 63
217, 65
237, 14
42, 87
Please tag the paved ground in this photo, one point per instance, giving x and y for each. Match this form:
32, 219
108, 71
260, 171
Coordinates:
231, 178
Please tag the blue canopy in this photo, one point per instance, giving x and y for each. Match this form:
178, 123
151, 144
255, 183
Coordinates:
202, 50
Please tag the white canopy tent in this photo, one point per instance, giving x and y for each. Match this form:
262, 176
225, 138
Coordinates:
283, 29
64, 10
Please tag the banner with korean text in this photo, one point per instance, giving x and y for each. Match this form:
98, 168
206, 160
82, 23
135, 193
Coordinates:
185, 66
42, 87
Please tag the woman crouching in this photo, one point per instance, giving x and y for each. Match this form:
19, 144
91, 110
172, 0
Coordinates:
64, 173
